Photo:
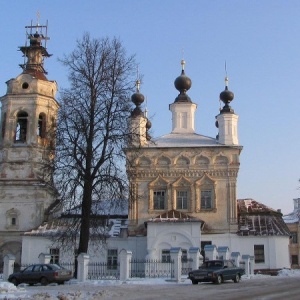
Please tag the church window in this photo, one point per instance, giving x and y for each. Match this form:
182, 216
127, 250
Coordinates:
42, 125
206, 199
13, 221
21, 128
54, 252
181, 200
159, 199
259, 253
165, 255
112, 259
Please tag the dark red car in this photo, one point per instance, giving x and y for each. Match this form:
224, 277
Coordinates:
41, 273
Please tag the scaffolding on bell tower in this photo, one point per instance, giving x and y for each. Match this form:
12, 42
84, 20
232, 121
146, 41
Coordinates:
36, 51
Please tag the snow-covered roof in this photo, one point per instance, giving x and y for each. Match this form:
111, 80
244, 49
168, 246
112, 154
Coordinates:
293, 217
112, 228
174, 216
183, 140
255, 218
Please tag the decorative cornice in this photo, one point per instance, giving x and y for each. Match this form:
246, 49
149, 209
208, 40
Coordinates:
186, 173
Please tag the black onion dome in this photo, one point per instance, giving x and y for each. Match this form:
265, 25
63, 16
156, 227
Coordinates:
183, 83
148, 124
226, 96
137, 98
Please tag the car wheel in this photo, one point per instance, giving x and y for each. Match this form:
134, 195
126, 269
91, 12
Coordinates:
14, 281
219, 279
194, 281
236, 278
44, 281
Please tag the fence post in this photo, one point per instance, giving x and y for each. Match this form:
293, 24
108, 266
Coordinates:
194, 253
8, 268
223, 252
246, 260
176, 254
251, 265
125, 257
83, 266
236, 256
44, 258
210, 252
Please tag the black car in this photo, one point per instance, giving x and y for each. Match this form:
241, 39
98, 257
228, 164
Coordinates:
216, 271
41, 273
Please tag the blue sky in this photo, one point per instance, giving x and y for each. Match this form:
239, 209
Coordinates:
258, 39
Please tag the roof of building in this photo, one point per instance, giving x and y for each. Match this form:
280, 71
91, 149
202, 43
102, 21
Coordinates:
112, 228
293, 217
255, 218
179, 140
174, 216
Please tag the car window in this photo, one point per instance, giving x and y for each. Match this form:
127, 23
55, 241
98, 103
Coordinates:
218, 265
45, 268
37, 268
28, 269
55, 267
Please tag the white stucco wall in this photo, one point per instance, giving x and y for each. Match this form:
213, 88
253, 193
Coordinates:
33, 246
275, 247
171, 234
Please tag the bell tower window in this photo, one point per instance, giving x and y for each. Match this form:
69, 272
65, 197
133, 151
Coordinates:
42, 125
3, 125
12, 219
21, 128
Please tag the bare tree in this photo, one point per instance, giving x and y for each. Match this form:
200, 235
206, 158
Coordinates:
92, 129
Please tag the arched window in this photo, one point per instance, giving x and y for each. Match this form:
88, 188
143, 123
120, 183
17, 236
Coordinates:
21, 128
42, 125
12, 219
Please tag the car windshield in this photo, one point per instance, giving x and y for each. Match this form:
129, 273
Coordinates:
212, 264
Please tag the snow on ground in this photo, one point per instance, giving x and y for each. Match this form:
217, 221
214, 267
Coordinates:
74, 290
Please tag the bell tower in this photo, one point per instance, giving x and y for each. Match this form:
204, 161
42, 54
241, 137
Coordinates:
27, 142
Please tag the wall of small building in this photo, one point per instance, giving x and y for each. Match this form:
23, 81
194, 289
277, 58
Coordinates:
33, 246
275, 248
294, 248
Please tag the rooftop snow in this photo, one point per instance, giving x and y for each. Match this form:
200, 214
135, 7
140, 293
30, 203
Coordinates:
174, 216
255, 218
183, 140
293, 217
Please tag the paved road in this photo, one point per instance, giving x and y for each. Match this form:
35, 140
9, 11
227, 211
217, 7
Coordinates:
254, 289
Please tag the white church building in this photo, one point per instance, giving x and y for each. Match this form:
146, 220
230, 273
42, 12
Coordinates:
183, 184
